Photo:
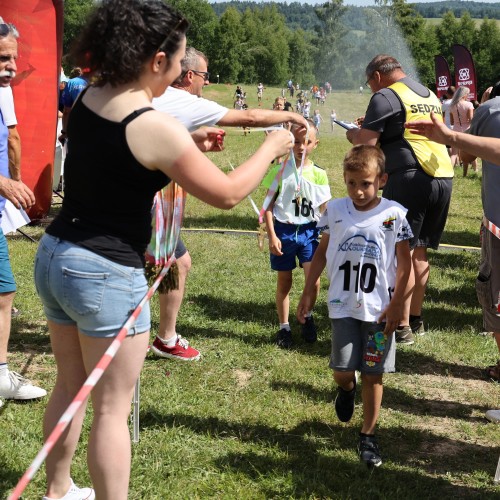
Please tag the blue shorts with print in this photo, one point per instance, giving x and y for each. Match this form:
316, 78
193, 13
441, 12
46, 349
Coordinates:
297, 242
78, 287
7, 282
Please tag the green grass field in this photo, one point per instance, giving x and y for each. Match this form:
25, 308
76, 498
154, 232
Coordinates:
252, 421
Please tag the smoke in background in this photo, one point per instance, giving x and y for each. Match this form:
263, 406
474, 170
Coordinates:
380, 36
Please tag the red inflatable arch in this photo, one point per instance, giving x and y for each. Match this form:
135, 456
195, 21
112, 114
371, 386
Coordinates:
35, 88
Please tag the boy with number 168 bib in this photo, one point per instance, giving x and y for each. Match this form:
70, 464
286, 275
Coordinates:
291, 222
365, 248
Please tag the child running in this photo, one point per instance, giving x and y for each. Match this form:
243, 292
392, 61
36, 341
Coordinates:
291, 221
365, 248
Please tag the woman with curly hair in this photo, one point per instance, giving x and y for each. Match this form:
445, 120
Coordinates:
89, 268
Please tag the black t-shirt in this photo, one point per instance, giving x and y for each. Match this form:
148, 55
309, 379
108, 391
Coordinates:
108, 194
385, 114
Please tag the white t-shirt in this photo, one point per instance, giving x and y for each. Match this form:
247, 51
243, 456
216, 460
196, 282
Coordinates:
361, 256
7, 106
191, 110
290, 208
445, 106
306, 110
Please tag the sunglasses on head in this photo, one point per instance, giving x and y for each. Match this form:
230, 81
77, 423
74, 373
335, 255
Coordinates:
182, 23
4, 29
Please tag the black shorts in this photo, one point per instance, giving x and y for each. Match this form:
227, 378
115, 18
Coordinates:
427, 200
180, 249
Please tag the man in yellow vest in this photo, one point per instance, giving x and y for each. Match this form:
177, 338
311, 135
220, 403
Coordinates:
420, 171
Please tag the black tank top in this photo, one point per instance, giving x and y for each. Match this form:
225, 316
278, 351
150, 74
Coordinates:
108, 194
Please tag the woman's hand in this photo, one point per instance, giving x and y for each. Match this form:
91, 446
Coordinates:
209, 139
281, 140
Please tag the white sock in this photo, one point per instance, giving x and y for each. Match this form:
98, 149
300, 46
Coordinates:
170, 342
308, 315
285, 326
3, 370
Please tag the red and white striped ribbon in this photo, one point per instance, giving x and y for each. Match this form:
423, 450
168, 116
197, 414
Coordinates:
492, 228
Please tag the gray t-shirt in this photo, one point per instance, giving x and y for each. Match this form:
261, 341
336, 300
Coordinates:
486, 123
385, 114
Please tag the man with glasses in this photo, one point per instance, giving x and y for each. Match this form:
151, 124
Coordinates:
184, 101
420, 171
12, 385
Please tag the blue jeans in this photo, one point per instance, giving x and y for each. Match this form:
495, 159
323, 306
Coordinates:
78, 287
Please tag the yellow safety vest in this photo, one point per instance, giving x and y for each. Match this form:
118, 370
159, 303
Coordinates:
432, 157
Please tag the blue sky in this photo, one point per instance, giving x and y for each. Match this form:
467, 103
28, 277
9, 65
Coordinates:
347, 2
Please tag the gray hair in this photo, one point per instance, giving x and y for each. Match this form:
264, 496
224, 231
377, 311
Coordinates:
459, 94
382, 63
190, 61
12, 29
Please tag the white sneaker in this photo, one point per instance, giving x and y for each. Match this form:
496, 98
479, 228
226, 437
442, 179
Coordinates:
14, 386
75, 493
493, 416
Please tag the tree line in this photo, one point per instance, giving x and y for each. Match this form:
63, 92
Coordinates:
249, 42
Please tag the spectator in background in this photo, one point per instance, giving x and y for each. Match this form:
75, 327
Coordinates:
260, 92
279, 104
62, 85
306, 109
317, 120
333, 117
288, 106
445, 107
462, 112
75, 85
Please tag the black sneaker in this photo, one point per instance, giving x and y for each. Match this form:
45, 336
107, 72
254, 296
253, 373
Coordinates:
309, 332
284, 339
404, 335
344, 403
368, 451
417, 327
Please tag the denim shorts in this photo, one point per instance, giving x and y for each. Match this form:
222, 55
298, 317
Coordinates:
363, 346
7, 283
79, 287
297, 242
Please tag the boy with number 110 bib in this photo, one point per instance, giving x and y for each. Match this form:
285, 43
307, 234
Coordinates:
365, 248
291, 223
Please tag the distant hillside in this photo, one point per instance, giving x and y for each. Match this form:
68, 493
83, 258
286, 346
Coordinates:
297, 15
478, 10
302, 15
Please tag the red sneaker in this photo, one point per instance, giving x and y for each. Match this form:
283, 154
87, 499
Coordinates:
181, 350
